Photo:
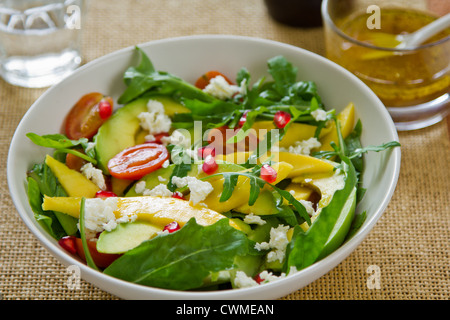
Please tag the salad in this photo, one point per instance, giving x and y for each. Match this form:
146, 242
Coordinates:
210, 185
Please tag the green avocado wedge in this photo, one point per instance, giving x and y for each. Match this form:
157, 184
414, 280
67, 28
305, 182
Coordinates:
126, 236
121, 129
118, 132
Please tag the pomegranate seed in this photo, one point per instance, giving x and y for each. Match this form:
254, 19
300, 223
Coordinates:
243, 118
172, 227
178, 195
210, 165
258, 279
68, 243
205, 151
105, 194
268, 173
281, 119
104, 109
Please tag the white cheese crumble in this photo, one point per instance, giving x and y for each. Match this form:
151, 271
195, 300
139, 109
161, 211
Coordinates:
277, 243
166, 163
302, 147
319, 115
99, 215
155, 120
254, 219
199, 189
158, 191
308, 206
241, 279
94, 174
221, 89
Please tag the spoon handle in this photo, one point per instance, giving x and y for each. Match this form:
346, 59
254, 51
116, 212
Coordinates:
423, 34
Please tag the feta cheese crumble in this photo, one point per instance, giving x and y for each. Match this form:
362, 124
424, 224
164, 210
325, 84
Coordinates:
160, 190
199, 189
319, 115
99, 215
94, 174
221, 89
254, 219
241, 279
277, 243
155, 120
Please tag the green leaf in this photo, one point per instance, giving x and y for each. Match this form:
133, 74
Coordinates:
181, 170
283, 73
87, 253
62, 144
230, 182
183, 259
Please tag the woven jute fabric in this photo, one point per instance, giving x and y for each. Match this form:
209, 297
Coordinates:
409, 246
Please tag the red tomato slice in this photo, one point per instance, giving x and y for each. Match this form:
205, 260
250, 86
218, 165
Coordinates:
204, 80
84, 119
135, 162
101, 260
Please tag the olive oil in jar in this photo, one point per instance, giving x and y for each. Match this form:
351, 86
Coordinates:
402, 77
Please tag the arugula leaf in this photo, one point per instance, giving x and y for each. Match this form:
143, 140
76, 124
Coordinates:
144, 78
183, 259
62, 144
181, 170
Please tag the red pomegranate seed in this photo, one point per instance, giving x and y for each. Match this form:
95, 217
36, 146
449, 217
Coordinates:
268, 173
243, 118
178, 195
104, 109
205, 151
105, 194
172, 227
158, 137
258, 279
209, 165
68, 243
281, 119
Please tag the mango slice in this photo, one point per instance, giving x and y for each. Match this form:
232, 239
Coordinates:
296, 132
156, 210
303, 165
73, 182
346, 118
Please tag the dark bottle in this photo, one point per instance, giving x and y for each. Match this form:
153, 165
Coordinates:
297, 13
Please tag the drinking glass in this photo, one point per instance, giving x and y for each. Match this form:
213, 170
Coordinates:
39, 40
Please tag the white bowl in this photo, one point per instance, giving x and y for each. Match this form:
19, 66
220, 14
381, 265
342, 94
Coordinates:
188, 57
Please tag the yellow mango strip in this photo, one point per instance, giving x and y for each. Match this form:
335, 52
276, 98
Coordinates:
240, 195
299, 192
73, 182
157, 210
302, 165
346, 118
234, 157
67, 205
296, 132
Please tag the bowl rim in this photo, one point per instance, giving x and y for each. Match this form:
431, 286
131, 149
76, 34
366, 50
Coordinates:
316, 270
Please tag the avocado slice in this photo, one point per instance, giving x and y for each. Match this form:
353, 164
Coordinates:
126, 236
122, 129
118, 132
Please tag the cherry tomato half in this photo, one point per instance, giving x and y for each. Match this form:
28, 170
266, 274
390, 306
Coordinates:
101, 260
85, 117
135, 162
204, 80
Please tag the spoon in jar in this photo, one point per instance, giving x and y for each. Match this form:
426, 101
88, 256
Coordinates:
407, 41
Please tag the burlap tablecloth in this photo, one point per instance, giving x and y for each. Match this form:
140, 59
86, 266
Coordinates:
409, 244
